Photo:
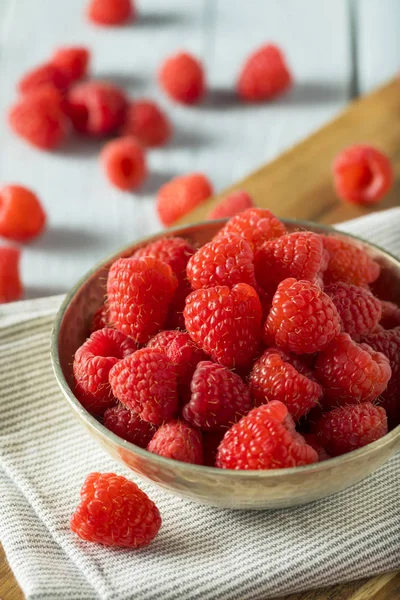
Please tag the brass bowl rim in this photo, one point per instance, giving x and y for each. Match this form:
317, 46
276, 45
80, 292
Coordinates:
168, 462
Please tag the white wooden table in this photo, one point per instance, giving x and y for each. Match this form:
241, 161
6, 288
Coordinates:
335, 49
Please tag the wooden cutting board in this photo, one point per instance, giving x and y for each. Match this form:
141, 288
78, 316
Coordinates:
298, 184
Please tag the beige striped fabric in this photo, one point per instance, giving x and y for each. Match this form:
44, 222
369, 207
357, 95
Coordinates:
201, 553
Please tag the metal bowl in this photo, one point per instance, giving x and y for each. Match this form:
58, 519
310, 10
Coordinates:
218, 487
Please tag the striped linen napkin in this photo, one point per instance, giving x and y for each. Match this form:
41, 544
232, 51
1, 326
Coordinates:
201, 553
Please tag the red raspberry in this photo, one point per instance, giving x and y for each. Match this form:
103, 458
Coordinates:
146, 121
181, 351
350, 427
174, 251
111, 12
129, 426
348, 262
39, 118
226, 260
93, 361
10, 284
211, 441
225, 323
264, 75
22, 217
145, 382
182, 78
96, 108
124, 162
300, 254
231, 205
139, 293
256, 225
219, 397
358, 308
351, 372
72, 60
45, 75
362, 174
303, 319
179, 441
313, 441
390, 315
274, 378
100, 319
181, 195
113, 511
264, 439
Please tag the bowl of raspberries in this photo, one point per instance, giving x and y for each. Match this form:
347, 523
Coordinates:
244, 363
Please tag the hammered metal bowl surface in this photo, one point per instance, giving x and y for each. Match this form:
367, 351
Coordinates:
218, 487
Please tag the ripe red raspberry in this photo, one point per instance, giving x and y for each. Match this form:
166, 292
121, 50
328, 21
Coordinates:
256, 225
351, 372
10, 284
129, 426
264, 439
174, 251
303, 319
96, 108
72, 60
264, 75
350, 427
274, 378
225, 323
100, 319
146, 121
182, 352
39, 118
182, 78
22, 217
181, 195
218, 399
111, 12
124, 163
45, 75
231, 205
145, 382
358, 308
93, 361
348, 262
179, 441
313, 441
390, 315
300, 255
115, 512
139, 293
226, 260
362, 174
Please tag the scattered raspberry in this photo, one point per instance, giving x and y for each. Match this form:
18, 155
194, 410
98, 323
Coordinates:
100, 319
313, 441
73, 61
231, 205
97, 108
351, 372
182, 78
181, 195
179, 441
264, 75
350, 427
348, 262
111, 12
129, 426
300, 255
218, 399
225, 323
358, 308
39, 119
174, 251
264, 439
274, 378
115, 512
148, 123
45, 75
303, 319
256, 225
180, 349
139, 293
10, 284
124, 162
362, 174
145, 382
211, 441
390, 315
22, 217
